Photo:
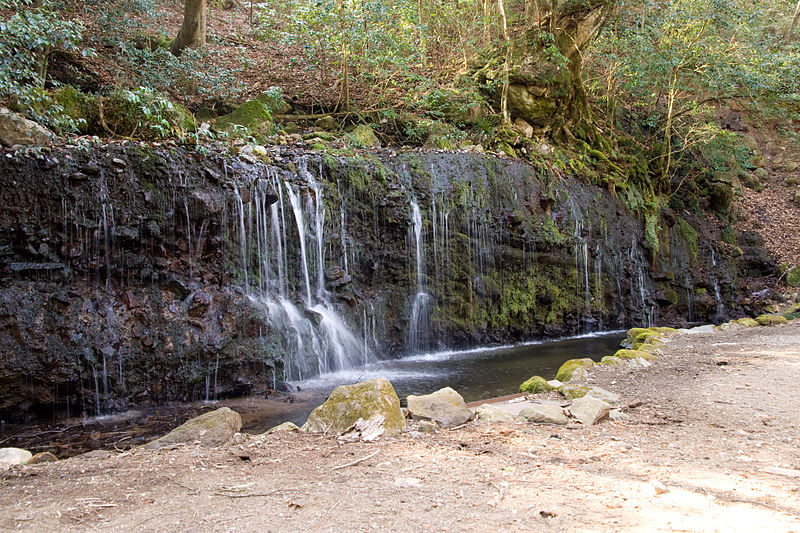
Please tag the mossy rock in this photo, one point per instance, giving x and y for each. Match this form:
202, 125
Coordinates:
792, 312
535, 385
771, 320
347, 403
253, 115
793, 277
663, 330
573, 392
273, 99
323, 135
634, 332
78, 106
364, 136
610, 360
747, 322
634, 354
210, 429
573, 368
122, 111
506, 149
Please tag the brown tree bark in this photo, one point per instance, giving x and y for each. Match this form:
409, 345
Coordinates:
193, 29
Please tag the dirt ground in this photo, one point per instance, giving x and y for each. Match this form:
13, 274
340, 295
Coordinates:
716, 421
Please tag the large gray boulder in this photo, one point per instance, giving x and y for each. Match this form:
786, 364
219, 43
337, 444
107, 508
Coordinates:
589, 410
445, 406
545, 414
210, 429
349, 403
13, 457
18, 130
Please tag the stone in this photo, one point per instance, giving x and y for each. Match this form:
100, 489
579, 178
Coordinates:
253, 115
796, 197
633, 354
365, 136
14, 456
573, 391
607, 396
574, 370
348, 403
327, 123
18, 130
42, 457
771, 320
791, 181
535, 385
286, 426
708, 328
793, 277
210, 429
658, 487
618, 415
445, 406
610, 360
273, 99
761, 173
589, 410
366, 430
427, 426
489, 413
545, 414
523, 127
554, 383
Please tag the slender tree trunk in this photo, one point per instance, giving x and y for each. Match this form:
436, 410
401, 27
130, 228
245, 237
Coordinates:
794, 22
193, 29
506, 67
487, 29
345, 68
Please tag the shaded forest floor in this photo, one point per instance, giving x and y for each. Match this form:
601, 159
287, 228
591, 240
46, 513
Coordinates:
714, 420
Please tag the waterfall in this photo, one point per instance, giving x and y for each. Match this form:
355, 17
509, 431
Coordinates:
312, 337
419, 326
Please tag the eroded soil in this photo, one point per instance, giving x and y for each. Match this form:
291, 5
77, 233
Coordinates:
716, 421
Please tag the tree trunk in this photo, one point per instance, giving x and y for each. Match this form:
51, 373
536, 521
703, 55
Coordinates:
794, 22
506, 66
193, 29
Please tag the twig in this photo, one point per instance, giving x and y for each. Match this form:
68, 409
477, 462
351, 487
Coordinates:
356, 461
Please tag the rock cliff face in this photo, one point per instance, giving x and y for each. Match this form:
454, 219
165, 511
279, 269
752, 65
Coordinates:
136, 274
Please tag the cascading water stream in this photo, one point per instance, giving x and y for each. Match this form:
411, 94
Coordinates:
312, 338
419, 326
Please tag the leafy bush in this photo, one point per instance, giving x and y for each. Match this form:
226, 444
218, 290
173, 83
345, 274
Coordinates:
27, 39
143, 114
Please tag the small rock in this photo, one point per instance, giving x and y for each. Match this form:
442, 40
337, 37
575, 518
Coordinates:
445, 406
427, 426
488, 413
588, 410
327, 123
555, 383
545, 414
658, 487
119, 163
617, 415
286, 426
13, 457
603, 394
43, 457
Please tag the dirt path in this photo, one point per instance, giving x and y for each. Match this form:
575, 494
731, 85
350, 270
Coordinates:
718, 425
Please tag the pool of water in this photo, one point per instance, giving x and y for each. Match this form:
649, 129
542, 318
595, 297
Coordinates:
477, 374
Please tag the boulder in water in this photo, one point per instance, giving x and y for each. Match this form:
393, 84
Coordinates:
13, 457
445, 406
349, 403
210, 429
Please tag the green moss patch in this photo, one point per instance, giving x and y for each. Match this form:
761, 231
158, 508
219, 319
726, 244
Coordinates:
610, 360
568, 369
749, 322
771, 320
535, 385
634, 354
